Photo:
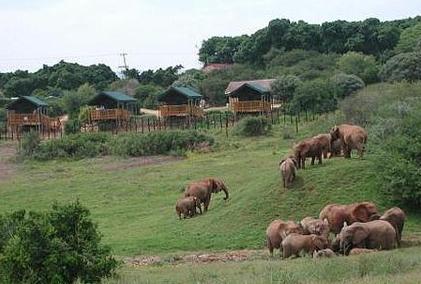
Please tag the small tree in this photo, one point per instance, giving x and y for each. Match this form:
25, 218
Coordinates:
61, 246
410, 40
364, 66
285, 87
404, 66
345, 84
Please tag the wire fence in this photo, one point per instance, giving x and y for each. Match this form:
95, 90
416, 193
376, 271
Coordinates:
139, 124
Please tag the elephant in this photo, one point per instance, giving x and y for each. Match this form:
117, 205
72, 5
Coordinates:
377, 234
396, 217
337, 214
325, 143
203, 190
278, 230
308, 148
294, 243
324, 253
187, 206
288, 169
315, 226
351, 136
335, 148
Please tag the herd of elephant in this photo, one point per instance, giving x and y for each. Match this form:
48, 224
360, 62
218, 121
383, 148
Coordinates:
343, 138
358, 228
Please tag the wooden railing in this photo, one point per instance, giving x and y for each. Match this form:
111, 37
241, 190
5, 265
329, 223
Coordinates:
180, 110
109, 114
32, 119
250, 106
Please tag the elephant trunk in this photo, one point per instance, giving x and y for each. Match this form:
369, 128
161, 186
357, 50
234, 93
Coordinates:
225, 190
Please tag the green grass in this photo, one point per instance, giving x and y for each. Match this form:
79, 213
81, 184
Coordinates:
398, 266
134, 207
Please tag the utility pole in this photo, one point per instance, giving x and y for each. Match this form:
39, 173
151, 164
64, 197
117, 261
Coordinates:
124, 66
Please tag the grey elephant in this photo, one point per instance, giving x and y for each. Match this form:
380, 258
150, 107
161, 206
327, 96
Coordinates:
187, 206
294, 243
376, 234
288, 169
351, 136
203, 190
315, 226
278, 230
396, 217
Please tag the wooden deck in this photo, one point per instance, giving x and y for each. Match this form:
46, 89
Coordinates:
180, 110
250, 106
31, 119
109, 114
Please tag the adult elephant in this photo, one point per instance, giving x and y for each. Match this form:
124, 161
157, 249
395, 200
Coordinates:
396, 217
203, 190
278, 230
376, 234
308, 148
337, 214
325, 141
351, 136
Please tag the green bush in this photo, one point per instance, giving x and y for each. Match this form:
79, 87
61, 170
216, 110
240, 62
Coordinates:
345, 84
30, 143
156, 143
72, 126
79, 146
253, 126
404, 66
60, 246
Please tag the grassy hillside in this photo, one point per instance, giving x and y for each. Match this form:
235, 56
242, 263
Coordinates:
134, 206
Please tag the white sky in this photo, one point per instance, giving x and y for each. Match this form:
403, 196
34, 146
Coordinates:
154, 33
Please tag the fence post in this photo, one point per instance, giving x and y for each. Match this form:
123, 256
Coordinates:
220, 119
226, 124
296, 124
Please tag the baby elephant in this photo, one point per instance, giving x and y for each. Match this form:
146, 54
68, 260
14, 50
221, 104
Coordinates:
323, 253
294, 243
187, 206
315, 226
288, 168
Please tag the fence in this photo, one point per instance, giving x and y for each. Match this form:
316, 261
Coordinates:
217, 120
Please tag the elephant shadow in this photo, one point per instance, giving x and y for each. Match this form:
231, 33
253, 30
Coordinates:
297, 183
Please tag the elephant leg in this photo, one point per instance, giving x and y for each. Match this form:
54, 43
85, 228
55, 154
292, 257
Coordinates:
284, 182
320, 159
312, 160
303, 163
206, 204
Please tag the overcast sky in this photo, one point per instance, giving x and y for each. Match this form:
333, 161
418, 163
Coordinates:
154, 33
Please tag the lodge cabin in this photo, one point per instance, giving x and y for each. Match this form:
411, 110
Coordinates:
180, 102
111, 106
30, 113
250, 96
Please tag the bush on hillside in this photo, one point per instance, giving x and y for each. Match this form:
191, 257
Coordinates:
345, 84
159, 143
404, 66
359, 64
253, 126
60, 246
75, 146
72, 126
29, 144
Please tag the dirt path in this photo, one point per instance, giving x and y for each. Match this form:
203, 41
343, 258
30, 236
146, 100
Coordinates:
7, 167
204, 258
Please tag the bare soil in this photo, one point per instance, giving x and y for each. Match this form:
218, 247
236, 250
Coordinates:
200, 258
139, 162
7, 166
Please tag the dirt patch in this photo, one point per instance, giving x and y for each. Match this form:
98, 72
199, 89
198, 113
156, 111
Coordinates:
7, 166
203, 258
139, 162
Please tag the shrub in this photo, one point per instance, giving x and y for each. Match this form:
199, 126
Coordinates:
83, 145
253, 126
29, 144
345, 84
363, 66
404, 66
61, 246
156, 143
72, 126
285, 86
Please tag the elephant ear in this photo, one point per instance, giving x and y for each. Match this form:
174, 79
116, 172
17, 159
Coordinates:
360, 213
359, 235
